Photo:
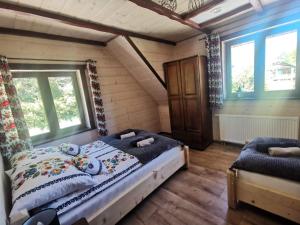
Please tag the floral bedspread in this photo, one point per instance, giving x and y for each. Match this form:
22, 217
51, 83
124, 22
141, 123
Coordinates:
119, 165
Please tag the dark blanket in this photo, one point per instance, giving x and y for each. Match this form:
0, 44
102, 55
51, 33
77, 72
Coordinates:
144, 154
254, 157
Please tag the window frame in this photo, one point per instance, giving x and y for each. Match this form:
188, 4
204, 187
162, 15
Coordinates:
86, 118
259, 66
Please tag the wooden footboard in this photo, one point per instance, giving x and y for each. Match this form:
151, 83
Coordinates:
186, 150
269, 199
231, 189
126, 201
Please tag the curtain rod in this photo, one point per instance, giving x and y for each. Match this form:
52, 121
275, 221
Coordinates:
54, 60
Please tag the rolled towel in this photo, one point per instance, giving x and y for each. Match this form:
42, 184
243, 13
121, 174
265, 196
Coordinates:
70, 149
89, 165
130, 134
264, 147
289, 151
145, 142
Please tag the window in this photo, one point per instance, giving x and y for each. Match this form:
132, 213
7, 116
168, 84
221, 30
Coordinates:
280, 69
264, 65
242, 67
53, 104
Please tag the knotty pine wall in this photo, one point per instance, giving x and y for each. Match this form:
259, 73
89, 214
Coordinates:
126, 104
157, 55
242, 107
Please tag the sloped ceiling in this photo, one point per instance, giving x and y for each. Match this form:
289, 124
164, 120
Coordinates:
124, 52
117, 13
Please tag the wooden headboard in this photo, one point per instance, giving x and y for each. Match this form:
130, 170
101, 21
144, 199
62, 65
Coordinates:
5, 194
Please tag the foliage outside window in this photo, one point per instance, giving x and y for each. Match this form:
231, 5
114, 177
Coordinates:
51, 100
264, 65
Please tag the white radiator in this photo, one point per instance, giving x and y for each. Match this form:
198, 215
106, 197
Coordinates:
241, 128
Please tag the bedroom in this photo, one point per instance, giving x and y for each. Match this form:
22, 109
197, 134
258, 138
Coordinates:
165, 94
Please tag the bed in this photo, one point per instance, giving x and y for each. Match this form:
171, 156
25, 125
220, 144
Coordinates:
272, 184
109, 206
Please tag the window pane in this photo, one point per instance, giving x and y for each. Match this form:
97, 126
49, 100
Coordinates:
242, 67
32, 105
280, 72
65, 101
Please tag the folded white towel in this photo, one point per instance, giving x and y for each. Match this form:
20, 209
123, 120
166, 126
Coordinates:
130, 134
289, 151
145, 142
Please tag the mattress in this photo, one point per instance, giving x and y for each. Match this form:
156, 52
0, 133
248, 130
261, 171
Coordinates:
88, 208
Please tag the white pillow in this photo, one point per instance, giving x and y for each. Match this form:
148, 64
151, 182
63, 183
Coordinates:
89, 164
70, 149
37, 183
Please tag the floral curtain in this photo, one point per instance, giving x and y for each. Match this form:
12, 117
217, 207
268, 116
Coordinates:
96, 94
14, 135
215, 79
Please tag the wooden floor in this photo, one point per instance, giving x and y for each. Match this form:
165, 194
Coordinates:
198, 196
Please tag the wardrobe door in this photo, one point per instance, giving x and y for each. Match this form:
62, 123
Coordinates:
191, 98
173, 80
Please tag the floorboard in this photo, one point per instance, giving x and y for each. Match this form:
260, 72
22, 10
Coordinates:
198, 196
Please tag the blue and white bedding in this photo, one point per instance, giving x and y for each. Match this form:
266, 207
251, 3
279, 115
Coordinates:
255, 158
89, 209
37, 179
118, 163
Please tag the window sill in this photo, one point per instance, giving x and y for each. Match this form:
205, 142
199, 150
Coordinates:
46, 141
262, 99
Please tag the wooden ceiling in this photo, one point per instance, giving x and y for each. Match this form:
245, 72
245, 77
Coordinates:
85, 19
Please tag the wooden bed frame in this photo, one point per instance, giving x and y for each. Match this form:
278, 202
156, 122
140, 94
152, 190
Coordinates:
276, 195
125, 202
118, 207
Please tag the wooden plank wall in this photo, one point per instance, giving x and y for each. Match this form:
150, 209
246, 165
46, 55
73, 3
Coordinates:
277, 107
126, 103
189, 47
131, 60
158, 53
196, 46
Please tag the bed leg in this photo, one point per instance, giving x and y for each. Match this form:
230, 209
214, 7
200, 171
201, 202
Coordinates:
186, 150
231, 189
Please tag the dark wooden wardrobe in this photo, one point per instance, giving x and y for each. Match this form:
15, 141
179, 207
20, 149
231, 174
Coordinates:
187, 86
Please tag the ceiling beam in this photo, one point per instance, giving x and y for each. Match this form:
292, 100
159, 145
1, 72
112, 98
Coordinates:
34, 34
256, 5
226, 15
147, 4
205, 7
148, 64
79, 22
